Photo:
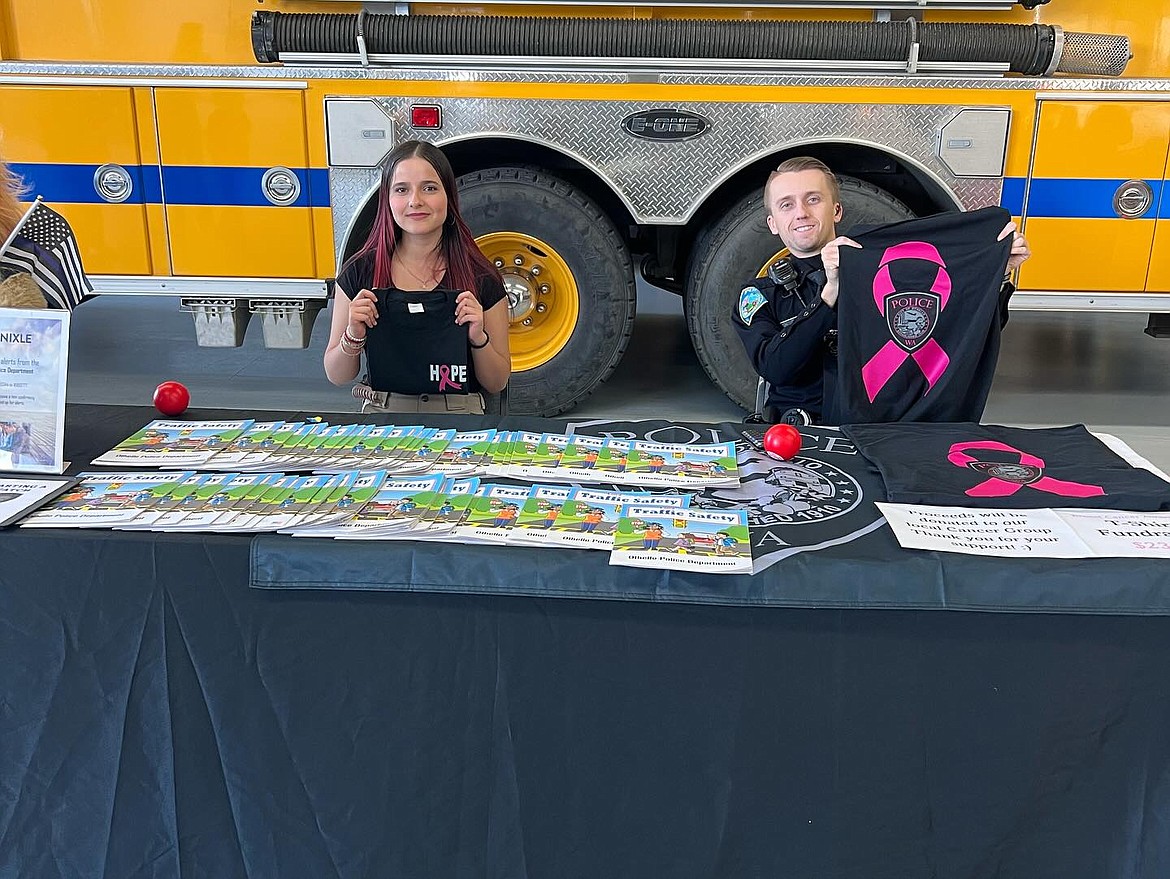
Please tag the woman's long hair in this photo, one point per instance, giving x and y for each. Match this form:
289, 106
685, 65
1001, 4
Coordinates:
11, 210
465, 263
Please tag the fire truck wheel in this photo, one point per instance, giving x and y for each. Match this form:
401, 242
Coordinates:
732, 248
569, 278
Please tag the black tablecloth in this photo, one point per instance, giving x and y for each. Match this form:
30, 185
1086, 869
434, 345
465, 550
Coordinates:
159, 717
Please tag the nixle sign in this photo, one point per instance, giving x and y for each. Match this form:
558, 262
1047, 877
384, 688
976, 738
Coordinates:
664, 125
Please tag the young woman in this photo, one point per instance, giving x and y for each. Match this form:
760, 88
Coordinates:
419, 242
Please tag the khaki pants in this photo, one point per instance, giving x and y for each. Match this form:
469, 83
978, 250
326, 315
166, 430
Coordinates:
385, 401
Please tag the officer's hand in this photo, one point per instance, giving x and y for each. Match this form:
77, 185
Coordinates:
469, 313
363, 312
831, 257
1020, 250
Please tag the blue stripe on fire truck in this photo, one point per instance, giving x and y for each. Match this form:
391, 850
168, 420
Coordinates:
241, 187
1081, 199
184, 185
1013, 195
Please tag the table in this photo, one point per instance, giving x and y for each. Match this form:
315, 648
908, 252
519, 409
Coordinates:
161, 717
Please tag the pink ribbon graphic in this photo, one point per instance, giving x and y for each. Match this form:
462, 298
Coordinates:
997, 487
445, 380
930, 356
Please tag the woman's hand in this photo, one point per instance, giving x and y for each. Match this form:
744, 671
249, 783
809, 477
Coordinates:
1020, 250
363, 313
469, 313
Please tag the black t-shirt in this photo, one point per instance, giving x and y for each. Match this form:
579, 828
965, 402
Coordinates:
985, 465
919, 318
416, 347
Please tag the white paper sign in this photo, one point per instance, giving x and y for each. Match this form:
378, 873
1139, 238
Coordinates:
1110, 533
1064, 533
34, 351
1039, 533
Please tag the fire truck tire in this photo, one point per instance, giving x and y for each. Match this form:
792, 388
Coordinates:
570, 282
728, 252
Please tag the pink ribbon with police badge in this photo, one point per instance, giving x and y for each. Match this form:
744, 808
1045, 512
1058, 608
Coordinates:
1007, 478
911, 318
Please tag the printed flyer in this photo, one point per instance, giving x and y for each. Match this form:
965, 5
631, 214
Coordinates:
34, 351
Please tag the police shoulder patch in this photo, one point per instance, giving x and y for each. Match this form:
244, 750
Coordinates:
751, 300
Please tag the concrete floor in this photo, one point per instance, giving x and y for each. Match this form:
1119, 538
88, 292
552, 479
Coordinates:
1099, 369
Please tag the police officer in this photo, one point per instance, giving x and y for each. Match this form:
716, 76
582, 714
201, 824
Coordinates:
788, 320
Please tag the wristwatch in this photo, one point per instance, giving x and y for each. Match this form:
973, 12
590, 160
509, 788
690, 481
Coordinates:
796, 416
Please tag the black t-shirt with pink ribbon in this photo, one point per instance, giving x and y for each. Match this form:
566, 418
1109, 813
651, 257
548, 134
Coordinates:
986, 465
416, 347
919, 317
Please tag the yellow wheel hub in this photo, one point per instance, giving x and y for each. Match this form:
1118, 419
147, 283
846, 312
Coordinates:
543, 305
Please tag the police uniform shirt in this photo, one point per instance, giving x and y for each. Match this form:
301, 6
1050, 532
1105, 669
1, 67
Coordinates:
788, 338
416, 347
919, 318
985, 465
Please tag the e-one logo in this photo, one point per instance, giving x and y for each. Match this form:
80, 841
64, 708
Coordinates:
664, 125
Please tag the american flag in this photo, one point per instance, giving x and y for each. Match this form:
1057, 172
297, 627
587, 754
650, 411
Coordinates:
44, 246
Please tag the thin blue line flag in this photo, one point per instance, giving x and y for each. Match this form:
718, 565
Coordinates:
45, 247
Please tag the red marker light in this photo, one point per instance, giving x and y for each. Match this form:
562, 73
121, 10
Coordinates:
426, 116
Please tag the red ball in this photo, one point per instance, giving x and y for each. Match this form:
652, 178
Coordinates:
171, 398
782, 441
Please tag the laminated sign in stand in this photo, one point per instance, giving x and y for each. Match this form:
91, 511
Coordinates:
34, 344
34, 351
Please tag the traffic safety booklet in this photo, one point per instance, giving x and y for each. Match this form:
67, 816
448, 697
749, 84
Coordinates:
397, 507
588, 518
538, 512
713, 541
252, 445
492, 513
105, 500
465, 453
174, 444
446, 508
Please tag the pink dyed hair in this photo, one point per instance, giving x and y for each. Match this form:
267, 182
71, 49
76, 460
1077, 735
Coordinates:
465, 263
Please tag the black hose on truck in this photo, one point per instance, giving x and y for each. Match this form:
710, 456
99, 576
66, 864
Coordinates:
1031, 50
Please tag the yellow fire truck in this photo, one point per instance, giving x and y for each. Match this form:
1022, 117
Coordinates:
226, 151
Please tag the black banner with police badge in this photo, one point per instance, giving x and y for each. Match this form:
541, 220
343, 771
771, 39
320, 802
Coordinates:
817, 541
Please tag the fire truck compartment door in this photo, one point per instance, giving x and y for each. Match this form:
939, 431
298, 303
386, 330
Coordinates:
1159, 278
1094, 194
238, 191
77, 147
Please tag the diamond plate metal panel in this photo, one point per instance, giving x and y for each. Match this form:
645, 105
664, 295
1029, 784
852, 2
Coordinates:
348, 190
978, 193
666, 182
